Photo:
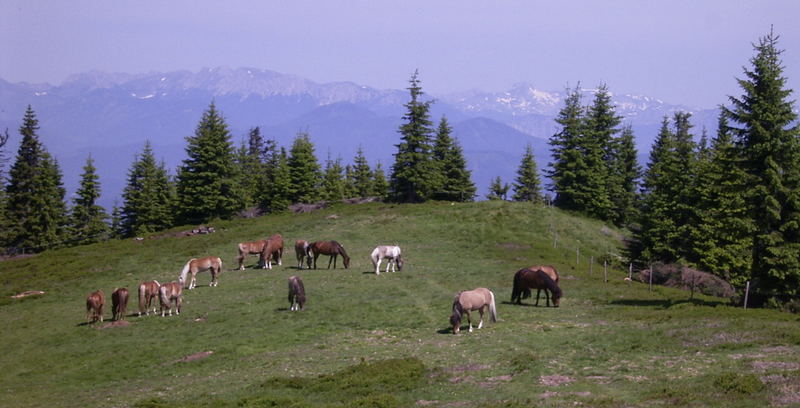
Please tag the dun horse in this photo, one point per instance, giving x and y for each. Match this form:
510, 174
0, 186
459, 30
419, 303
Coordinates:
148, 295
389, 252
331, 248
526, 279
301, 250
249, 248
94, 306
468, 300
297, 293
273, 249
170, 293
210, 263
119, 303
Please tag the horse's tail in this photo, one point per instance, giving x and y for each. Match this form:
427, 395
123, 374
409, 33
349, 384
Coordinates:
185, 270
492, 308
374, 256
517, 288
163, 296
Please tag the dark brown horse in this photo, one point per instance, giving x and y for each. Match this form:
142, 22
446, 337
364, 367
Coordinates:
119, 303
148, 295
273, 249
468, 300
297, 293
301, 250
526, 279
94, 306
331, 248
170, 293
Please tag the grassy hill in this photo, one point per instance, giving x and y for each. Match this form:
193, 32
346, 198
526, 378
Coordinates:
383, 341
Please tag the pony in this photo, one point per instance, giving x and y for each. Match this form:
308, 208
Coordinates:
468, 300
389, 252
550, 271
148, 294
94, 306
526, 278
249, 248
297, 293
331, 248
273, 249
212, 264
301, 250
170, 293
119, 303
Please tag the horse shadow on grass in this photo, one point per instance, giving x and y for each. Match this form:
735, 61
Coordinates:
523, 304
667, 303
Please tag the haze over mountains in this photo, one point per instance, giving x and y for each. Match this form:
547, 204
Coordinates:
111, 115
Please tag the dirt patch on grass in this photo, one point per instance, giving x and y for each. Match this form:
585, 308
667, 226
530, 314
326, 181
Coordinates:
786, 390
112, 325
555, 380
492, 382
466, 368
196, 356
764, 366
551, 394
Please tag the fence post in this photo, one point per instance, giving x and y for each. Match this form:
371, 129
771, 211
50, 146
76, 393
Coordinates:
605, 271
591, 265
577, 257
555, 240
630, 272
746, 293
651, 278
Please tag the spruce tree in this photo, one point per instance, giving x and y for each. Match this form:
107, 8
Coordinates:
35, 206
333, 183
208, 180
768, 134
117, 230
362, 175
87, 219
527, 186
683, 178
148, 197
498, 190
625, 173
4, 225
596, 181
453, 180
568, 159
412, 179
275, 187
304, 170
380, 185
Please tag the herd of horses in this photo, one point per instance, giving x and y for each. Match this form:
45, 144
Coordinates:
169, 295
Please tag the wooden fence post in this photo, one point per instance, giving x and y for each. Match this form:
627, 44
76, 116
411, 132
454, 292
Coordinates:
605, 271
651, 278
746, 293
591, 265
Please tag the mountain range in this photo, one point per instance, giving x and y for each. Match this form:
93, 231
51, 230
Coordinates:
110, 116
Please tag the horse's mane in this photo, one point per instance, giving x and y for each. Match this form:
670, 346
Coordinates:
185, 270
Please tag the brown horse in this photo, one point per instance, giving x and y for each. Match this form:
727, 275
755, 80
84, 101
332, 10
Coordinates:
170, 293
212, 264
331, 248
273, 249
94, 306
297, 293
525, 279
468, 300
148, 295
119, 303
249, 248
301, 250
551, 271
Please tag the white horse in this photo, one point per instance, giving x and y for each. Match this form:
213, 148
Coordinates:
389, 252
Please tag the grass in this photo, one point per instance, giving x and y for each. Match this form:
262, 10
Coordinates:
383, 341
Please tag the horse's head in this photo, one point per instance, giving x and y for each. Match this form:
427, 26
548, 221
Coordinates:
399, 261
556, 296
455, 321
346, 261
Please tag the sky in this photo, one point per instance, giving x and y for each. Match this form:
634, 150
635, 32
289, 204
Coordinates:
684, 52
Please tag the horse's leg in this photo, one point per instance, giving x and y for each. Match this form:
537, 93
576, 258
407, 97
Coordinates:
547, 297
240, 258
480, 324
316, 255
178, 305
469, 320
280, 256
378, 266
331, 259
537, 296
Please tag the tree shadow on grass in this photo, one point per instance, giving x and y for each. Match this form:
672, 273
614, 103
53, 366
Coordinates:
667, 303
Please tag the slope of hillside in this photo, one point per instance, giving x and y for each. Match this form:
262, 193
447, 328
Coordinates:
369, 340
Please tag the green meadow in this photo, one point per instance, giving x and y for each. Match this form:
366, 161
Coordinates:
384, 341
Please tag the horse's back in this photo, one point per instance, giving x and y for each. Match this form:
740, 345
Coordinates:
473, 299
548, 269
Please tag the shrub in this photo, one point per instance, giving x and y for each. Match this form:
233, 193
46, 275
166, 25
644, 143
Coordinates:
739, 383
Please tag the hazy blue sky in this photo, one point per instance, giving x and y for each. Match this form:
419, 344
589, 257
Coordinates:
680, 51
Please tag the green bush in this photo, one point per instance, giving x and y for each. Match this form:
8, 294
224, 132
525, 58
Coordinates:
739, 383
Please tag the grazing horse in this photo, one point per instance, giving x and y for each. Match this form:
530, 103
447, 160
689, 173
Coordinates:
273, 249
94, 306
148, 295
119, 303
389, 252
525, 279
297, 293
249, 248
331, 248
209, 263
170, 293
550, 271
301, 250
468, 300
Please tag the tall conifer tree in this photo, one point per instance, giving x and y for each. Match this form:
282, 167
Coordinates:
379, 183
625, 173
208, 180
304, 170
568, 159
453, 180
148, 197
597, 143
362, 175
527, 186
333, 182
87, 218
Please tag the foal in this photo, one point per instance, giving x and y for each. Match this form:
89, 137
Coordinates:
94, 306
297, 293
119, 303
148, 294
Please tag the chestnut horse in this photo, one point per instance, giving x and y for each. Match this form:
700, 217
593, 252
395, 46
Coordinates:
273, 249
209, 263
297, 293
525, 279
249, 248
170, 293
389, 252
148, 295
301, 250
119, 303
331, 248
468, 300
94, 306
